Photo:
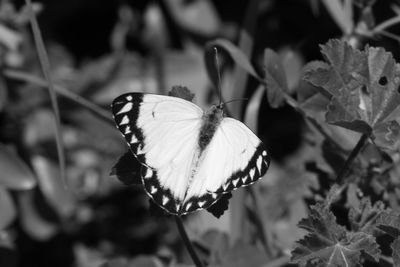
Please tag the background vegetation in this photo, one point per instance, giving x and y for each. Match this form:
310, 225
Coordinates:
323, 88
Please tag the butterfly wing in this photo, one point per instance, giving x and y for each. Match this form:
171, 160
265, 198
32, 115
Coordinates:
162, 132
235, 157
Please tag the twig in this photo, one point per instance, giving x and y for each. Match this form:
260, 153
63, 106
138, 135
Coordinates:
29, 78
263, 226
360, 144
187, 242
44, 62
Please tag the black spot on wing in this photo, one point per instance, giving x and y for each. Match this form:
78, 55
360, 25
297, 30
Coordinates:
164, 198
255, 169
199, 202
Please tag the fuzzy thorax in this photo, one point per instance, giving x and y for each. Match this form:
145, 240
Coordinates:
211, 119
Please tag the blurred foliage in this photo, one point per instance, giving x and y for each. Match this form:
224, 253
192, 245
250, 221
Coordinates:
310, 115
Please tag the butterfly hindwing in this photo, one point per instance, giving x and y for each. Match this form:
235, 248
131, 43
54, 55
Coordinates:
162, 132
235, 157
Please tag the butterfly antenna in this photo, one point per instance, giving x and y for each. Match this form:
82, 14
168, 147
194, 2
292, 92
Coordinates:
218, 75
236, 99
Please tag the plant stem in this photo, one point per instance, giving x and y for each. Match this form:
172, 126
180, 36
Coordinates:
360, 144
95, 109
45, 64
187, 242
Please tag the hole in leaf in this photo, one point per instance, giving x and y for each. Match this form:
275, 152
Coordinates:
383, 81
364, 90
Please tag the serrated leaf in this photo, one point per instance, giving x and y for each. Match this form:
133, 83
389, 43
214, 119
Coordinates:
127, 169
389, 222
396, 252
329, 244
363, 89
275, 78
363, 218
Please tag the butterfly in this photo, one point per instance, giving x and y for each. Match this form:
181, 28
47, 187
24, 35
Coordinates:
190, 157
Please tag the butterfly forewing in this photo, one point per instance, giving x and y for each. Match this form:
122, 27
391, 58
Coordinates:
162, 132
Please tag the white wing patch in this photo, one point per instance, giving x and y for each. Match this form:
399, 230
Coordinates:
162, 132
234, 153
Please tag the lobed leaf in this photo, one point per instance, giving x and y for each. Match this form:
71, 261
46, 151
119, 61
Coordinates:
363, 90
329, 244
396, 252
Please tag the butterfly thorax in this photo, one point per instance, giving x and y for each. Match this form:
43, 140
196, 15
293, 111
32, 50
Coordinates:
211, 119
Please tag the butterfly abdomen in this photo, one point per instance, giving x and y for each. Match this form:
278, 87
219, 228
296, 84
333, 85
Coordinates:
211, 119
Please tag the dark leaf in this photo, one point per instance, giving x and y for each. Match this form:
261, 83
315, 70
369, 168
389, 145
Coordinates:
363, 218
219, 207
15, 174
363, 90
329, 244
127, 169
275, 78
396, 252
7, 209
181, 92
389, 222
31, 222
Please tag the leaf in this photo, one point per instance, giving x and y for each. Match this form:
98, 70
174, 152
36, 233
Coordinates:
15, 174
275, 78
7, 209
389, 222
363, 90
32, 223
52, 187
181, 92
329, 244
219, 207
363, 218
396, 252
127, 169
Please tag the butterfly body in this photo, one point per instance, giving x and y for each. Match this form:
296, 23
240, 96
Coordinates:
190, 158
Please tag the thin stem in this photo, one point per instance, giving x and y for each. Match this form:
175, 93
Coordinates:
351, 157
29, 78
387, 23
187, 242
44, 62
218, 75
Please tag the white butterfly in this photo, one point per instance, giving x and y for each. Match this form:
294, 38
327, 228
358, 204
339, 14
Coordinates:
191, 157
